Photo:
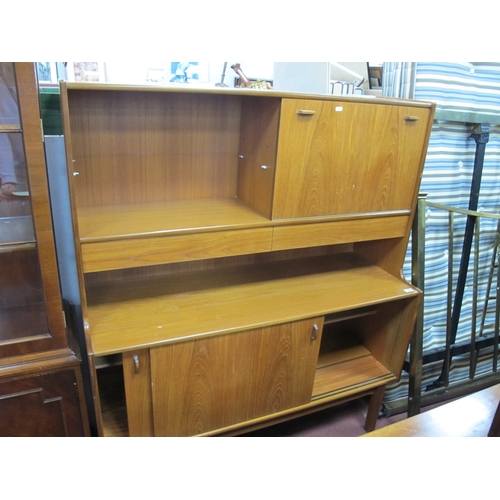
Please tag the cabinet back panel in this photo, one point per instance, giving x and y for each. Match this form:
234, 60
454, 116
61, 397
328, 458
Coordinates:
138, 147
171, 270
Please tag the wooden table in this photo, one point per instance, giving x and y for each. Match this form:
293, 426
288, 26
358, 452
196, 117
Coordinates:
470, 416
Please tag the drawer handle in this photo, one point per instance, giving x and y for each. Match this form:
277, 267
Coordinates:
307, 112
410, 118
137, 366
314, 334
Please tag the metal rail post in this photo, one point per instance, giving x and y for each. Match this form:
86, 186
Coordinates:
481, 134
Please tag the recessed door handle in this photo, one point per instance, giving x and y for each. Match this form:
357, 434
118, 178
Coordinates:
314, 334
137, 366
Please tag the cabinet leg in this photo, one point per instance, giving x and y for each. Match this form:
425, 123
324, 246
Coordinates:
374, 408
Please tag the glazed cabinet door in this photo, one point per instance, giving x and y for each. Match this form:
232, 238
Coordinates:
31, 317
347, 158
202, 385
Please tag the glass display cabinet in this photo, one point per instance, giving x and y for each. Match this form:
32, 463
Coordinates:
41, 392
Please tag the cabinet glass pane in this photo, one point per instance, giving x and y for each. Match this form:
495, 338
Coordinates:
22, 308
9, 111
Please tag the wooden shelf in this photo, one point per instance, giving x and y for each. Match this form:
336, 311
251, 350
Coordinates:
16, 230
335, 351
362, 372
145, 220
126, 236
143, 313
16, 247
119, 222
18, 324
6, 128
129, 236
345, 364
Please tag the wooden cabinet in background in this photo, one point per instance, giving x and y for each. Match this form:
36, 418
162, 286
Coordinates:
240, 251
41, 390
43, 405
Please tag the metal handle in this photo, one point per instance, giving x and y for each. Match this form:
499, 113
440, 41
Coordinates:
409, 118
136, 363
305, 112
314, 334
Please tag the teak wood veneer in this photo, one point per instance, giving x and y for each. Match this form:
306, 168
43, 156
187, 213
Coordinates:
240, 251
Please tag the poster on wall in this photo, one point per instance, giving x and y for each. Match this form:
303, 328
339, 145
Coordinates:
86, 71
188, 72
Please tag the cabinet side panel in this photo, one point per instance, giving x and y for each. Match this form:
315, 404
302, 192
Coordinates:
212, 383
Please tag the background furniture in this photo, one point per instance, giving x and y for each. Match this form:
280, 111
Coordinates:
40, 379
239, 251
318, 77
450, 181
470, 416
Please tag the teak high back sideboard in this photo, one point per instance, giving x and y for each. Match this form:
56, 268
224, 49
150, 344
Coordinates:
240, 251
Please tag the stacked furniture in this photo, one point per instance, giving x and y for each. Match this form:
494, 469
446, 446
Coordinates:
41, 389
239, 251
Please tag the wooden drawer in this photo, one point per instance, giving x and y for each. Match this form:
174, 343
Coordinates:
121, 254
333, 233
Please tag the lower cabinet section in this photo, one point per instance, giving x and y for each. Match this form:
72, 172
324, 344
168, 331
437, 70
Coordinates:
212, 383
45, 405
227, 383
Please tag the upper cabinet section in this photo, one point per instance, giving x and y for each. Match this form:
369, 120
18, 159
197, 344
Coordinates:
348, 157
151, 162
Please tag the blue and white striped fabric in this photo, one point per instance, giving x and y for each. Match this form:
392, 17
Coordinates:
457, 87
473, 87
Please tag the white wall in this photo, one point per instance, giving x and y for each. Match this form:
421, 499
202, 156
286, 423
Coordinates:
136, 72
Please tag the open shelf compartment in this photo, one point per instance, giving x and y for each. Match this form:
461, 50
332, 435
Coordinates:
151, 311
